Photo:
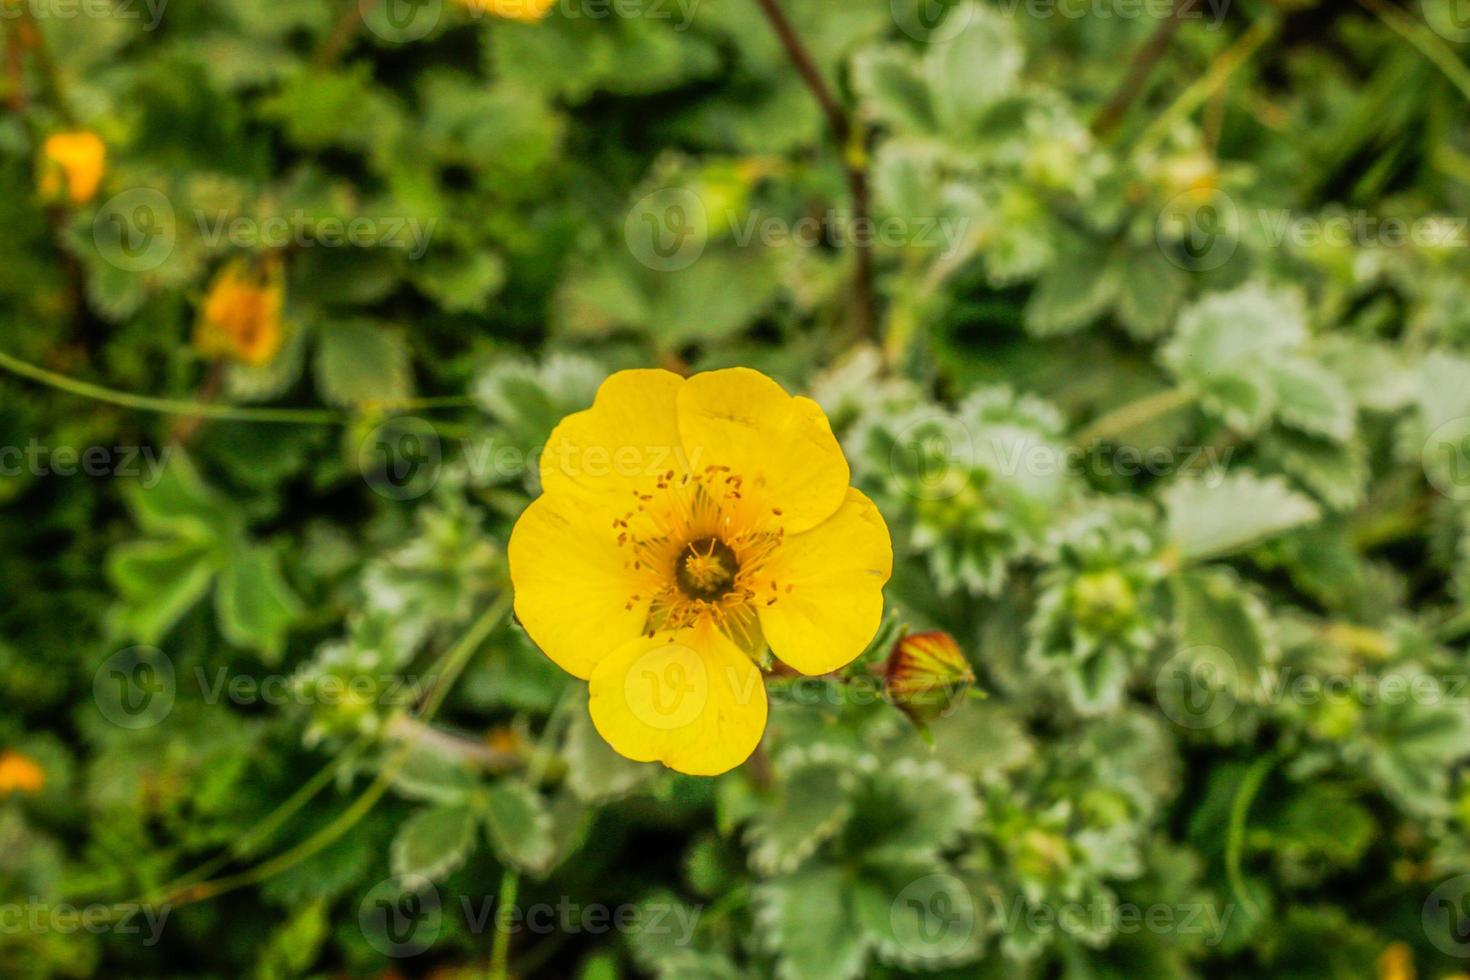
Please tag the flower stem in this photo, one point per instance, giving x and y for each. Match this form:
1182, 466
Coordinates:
451, 664
1245, 794
1145, 59
1425, 41
1219, 72
1131, 416
500, 952
851, 152
202, 409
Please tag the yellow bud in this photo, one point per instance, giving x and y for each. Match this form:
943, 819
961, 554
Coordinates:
525, 11
72, 165
1396, 963
20, 774
241, 318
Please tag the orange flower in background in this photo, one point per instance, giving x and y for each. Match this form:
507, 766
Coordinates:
72, 165
526, 11
685, 526
20, 774
241, 318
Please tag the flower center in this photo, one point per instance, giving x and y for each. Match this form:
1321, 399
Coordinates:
706, 569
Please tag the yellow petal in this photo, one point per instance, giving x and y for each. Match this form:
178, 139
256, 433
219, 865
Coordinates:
782, 447
836, 572
81, 158
690, 700
619, 446
572, 588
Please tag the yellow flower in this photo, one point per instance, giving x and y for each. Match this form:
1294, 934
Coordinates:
72, 163
1396, 962
19, 774
241, 318
684, 526
526, 11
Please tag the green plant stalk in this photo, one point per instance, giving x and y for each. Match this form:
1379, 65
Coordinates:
206, 410
1245, 794
1425, 41
451, 665
1226, 64
500, 952
1131, 416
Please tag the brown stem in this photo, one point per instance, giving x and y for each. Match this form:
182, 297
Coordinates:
186, 428
33, 40
1145, 59
856, 172
14, 71
342, 34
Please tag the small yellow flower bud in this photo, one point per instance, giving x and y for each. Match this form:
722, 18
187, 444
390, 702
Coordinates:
72, 165
927, 675
241, 318
1396, 963
526, 11
20, 774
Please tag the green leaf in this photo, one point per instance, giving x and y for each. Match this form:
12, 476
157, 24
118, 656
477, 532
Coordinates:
432, 843
1150, 289
975, 69
1321, 820
254, 604
1414, 739
1313, 399
890, 83
461, 282
1211, 517
910, 810
159, 582
918, 916
1076, 290
808, 919
181, 504
594, 771
1225, 345
433, 777
811, 807
362, 362
1224, 636
519, 826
